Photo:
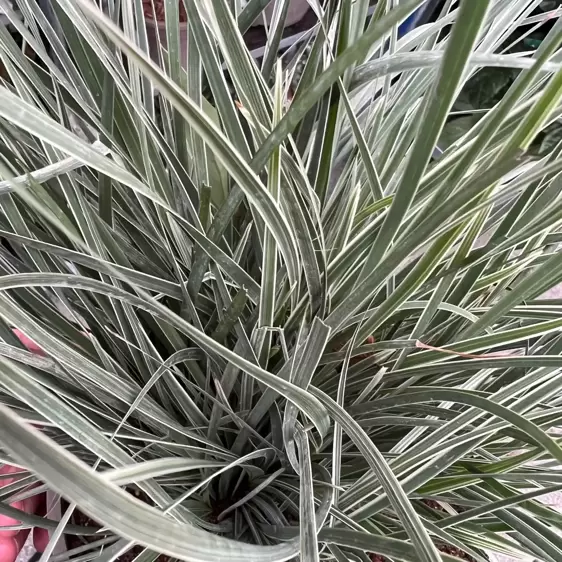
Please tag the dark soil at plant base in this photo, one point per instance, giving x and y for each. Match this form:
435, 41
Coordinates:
445, 548
78, 518
454, 551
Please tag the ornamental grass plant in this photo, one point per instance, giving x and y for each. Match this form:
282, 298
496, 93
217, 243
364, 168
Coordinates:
275, 320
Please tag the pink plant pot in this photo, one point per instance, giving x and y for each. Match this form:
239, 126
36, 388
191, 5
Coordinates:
12, 542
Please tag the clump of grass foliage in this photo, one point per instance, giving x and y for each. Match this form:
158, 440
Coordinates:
233, 288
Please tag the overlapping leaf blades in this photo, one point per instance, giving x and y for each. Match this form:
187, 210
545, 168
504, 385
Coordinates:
219, 276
